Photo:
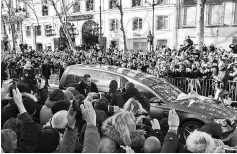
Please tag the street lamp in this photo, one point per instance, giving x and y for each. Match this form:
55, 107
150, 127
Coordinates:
73, 30
153, 4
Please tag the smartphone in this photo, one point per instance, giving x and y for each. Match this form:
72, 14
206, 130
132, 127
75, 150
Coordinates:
13, 86
76, 106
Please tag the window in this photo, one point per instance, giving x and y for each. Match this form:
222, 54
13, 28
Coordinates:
235, 14
113, 24
37, 30
160, 43
136, 3
89, 5
76, 6
214, 17
28, 31
189, 16
137, 24
162, 22
112, 4
48, 30
45, 8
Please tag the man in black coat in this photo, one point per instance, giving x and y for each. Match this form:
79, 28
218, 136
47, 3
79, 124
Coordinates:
45, 70
61, 70
86, 86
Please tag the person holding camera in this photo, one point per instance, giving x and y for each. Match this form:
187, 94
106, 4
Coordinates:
91, 138
86, 86
41, 89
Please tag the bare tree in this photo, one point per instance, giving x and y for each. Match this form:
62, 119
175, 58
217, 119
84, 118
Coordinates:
120, 7
63, 17
200, 23
11, 19
31, 5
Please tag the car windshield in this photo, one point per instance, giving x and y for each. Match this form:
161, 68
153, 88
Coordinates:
162, 87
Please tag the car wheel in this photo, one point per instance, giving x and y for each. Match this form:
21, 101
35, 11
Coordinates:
187, 128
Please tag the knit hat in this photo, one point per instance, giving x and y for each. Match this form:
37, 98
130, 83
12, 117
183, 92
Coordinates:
70, 88
214, 129
68, 94
29, 105
60, 105
129, 85
74, 92
59, 120
57, 95
113, 85
10, 124
49, 140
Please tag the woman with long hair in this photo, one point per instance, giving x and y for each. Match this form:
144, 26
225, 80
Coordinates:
121, 128
132, 105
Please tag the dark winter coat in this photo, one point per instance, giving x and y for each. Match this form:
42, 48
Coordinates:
30, 132
84, 90
116, 99
45, 70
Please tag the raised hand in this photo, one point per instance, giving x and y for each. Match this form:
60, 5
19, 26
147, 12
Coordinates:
155, 124
173, 119
88, 113
128, 149
17, 97
71, 117
5, 89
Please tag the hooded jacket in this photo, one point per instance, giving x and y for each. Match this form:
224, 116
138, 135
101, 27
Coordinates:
137, 136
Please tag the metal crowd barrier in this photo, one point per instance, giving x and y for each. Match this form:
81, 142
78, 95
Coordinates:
206, 87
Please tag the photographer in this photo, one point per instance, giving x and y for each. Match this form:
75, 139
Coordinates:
41, 89
91, 138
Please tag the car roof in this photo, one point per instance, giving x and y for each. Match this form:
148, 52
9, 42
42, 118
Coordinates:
159, 85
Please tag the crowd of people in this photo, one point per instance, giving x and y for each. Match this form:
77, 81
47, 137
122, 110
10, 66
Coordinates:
79, 119
186, 62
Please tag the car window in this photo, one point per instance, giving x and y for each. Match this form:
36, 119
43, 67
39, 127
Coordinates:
100, 78
144, 91
123, 82
75, 76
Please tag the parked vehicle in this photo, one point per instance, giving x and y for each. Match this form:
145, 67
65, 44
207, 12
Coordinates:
161, 93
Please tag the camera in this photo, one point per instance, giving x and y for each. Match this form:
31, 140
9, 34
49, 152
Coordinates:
76, 107
96, 96
111, 109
